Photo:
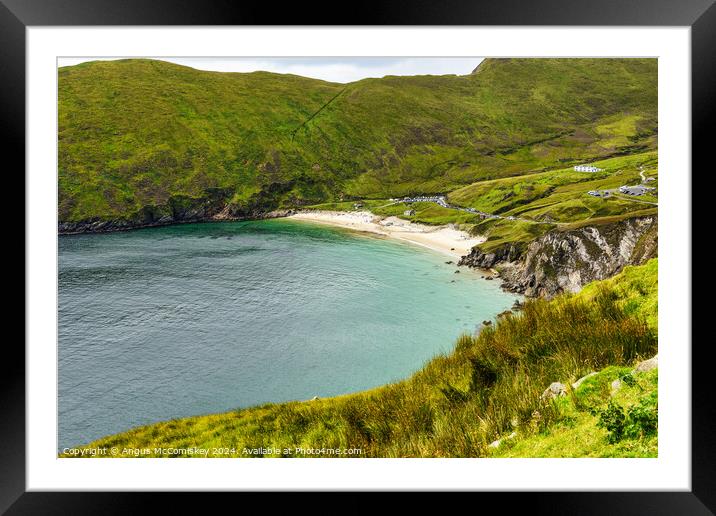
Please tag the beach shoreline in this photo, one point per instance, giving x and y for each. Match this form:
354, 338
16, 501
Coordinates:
443, 239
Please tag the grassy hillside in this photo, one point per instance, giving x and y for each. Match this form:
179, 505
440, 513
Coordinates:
488, 387
558, 199
596, 421
139, 133
539, 201
560, 195
636, 288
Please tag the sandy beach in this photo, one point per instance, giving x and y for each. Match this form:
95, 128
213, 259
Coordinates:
444, 239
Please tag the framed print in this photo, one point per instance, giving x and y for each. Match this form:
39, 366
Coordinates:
436, 249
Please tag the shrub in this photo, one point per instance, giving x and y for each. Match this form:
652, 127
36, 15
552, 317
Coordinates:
640, 420
613, 420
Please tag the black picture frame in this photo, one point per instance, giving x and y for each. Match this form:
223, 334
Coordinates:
700, 15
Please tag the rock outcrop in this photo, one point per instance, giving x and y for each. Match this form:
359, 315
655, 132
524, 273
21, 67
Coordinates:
566, 260
554, 390
108, 226
647, 365
215, 205
579, 382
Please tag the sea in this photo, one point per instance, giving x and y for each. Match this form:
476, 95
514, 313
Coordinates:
192, 319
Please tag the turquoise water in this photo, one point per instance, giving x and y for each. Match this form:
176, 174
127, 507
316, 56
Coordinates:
192, 319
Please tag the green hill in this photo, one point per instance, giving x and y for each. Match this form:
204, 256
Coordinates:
488, 387
139, 138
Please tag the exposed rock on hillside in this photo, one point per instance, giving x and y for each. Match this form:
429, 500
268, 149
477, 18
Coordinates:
555, 390
647, 365
191, 210
565, 261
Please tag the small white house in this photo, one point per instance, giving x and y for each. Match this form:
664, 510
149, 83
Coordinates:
587, 168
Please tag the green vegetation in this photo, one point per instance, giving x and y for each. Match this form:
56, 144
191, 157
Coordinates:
559, 195
557, 199
427, 213
539, 202
370, 205
142, 139
635, 288
489, 386
594, 421
137, 138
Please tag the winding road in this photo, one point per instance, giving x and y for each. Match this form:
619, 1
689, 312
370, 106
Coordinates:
440, 201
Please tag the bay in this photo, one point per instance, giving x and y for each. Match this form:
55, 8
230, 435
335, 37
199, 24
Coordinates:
192, 319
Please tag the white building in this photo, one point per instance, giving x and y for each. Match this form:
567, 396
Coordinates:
587, 168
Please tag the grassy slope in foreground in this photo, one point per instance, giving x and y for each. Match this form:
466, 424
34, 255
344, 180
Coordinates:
581, 430
458, 403
136, 134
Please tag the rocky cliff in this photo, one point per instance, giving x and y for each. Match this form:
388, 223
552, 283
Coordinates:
564, 261
181, 209
214, 205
